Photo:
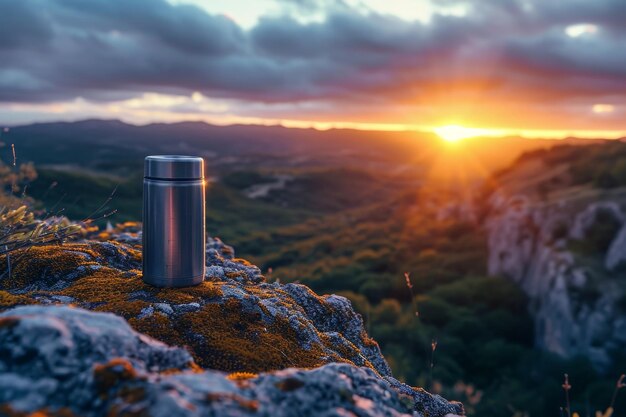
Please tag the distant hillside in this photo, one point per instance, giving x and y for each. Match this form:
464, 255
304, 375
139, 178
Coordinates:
556, 226
350, 212
567, 173
111, 144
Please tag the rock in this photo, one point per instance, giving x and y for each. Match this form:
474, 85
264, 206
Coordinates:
215, 247
146, 312
47, 355
233, 322
511, 240
586, 219
164, 308
63, 299
575, 306
187, 308
94, 364
616, 254
128, 232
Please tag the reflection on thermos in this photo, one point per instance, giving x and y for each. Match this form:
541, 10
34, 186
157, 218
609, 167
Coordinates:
173, 221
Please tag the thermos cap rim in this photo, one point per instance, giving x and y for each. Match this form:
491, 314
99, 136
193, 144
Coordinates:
174, 167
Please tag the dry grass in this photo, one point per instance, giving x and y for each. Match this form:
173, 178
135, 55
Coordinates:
20, 231
621, 383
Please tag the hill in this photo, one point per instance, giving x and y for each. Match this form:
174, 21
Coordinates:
353, 220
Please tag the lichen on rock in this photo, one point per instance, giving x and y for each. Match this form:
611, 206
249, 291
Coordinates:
58, 358
234, 322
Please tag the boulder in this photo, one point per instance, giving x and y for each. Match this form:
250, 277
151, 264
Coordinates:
59, 360
234, 322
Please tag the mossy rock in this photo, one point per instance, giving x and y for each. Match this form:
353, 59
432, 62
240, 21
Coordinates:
58, 361
234, 321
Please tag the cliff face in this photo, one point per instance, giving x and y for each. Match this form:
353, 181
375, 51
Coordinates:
57, 359
557, 253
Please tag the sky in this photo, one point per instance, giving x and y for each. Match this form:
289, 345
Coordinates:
532, 67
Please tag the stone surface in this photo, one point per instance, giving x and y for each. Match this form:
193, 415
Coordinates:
577, 301
234, 322
586, 218
65, 359
616, 255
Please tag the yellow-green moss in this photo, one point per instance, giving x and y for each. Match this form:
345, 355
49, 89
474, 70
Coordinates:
231, 338
239, 341
241, 376
36, 262
243, 261
113, 372
206, 290
7, 411
8, 300
367, 340
236, 274
41, 261
115, 379
263, 293
159, 327
103, 286
348, 351
126, 309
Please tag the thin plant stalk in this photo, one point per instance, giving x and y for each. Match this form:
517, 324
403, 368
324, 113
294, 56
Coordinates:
619, 385
567, 387
433, 347
407, 277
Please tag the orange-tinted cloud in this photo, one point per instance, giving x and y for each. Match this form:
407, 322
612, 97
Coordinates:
501, 64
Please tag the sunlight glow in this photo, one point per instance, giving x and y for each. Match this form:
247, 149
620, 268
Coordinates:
575, 31
603, 108
152, 107
454, 133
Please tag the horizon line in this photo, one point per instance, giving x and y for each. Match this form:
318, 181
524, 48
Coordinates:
481, 132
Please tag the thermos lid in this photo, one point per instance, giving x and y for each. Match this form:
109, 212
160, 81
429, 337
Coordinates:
174, 167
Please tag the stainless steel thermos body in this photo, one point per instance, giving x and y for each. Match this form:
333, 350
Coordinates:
173, 221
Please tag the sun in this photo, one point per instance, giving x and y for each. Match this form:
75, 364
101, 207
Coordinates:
455, 133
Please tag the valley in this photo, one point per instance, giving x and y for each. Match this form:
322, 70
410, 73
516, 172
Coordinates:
494, 249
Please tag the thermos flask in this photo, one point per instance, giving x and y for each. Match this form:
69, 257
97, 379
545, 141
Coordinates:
173, 221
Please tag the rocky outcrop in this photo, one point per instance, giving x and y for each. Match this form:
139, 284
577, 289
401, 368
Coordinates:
67, 360
577, 302
235, 322
586, 219
616, 255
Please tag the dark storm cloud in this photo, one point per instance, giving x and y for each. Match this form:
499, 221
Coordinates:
22, 25
104, 49
184, 27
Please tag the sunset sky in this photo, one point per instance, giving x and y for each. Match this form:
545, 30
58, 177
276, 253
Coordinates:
532, 67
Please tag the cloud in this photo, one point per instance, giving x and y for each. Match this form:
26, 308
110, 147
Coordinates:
186, 28
353, 63
23, 25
